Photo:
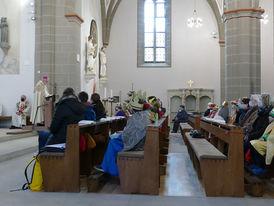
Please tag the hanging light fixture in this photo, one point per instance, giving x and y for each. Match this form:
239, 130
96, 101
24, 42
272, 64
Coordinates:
194, 21
264, 19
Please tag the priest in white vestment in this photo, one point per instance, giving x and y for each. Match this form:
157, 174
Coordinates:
19, 118
38, 106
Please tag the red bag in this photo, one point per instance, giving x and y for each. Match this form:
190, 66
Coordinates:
82, 143
248, 157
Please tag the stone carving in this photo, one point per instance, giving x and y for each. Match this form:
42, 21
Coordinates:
4, 43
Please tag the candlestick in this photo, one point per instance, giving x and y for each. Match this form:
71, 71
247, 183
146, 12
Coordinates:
105, 92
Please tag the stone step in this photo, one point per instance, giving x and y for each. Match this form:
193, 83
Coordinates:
18, 147
8, 137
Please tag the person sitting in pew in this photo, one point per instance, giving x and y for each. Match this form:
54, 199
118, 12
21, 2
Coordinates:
98, 106
131, 139
68, 111
119, 112
258, 126
247, 121
241, 107
89, 114
181, 117
223, 112
209, 108
262, 150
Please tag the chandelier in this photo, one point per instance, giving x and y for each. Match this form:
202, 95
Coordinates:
194, 21
264, 19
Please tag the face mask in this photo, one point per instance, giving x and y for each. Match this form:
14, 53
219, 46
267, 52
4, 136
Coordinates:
22, 99
260, 104
240, 106
251, 104
179, 110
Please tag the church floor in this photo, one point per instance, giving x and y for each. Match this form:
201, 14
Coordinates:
179, 186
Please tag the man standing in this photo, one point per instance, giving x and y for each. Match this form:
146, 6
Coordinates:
37, 110
19, 118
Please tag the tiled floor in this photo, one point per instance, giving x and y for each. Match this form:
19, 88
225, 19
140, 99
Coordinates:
181, 178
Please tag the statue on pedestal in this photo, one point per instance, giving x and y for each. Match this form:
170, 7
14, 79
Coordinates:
103, 61
91, 48
4, 40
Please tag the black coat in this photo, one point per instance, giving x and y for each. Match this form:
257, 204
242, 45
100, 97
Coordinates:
260, 124
68, 111
99, 113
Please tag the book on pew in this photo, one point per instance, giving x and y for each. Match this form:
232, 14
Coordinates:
86, 122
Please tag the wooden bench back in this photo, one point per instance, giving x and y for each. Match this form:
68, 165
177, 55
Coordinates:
83, 162
154, 134
225, 133
194, 121
228, 139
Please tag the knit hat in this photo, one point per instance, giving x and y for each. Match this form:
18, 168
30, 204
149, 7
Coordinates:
146, 106
271, 113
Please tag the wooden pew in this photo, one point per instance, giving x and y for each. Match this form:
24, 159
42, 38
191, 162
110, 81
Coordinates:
219, 161
194, 121
61, 171
139, 171
184, 128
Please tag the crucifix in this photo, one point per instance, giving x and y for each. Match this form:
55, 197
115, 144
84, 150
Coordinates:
190, 82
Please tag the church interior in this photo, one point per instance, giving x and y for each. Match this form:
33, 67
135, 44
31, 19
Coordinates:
163, 56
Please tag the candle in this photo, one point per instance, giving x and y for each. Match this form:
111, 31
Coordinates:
105, 92
120, 97
111, 93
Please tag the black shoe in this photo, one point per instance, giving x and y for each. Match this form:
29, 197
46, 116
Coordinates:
41, 124
98, 168
12, 127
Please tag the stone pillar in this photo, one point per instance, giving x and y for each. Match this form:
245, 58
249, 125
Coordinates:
242, 48
57, 43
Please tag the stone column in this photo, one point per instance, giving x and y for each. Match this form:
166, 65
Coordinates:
57, 43
242, 48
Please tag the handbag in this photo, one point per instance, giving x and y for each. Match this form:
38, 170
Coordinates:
196, 134
90, 142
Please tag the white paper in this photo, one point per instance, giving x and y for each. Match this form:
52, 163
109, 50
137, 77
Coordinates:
85, 122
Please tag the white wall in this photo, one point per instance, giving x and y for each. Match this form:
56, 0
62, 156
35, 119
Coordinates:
13, 86
195, 55
90, 10
267, 56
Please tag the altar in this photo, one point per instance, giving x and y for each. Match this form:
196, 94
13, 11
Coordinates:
194, 100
